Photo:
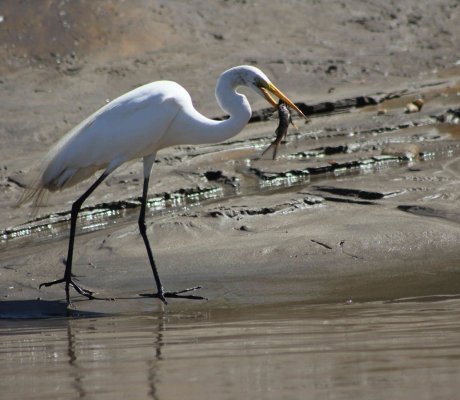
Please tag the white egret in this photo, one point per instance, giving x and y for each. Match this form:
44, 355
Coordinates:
137, 125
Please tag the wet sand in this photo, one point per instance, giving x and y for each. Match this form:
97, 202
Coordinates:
354, 227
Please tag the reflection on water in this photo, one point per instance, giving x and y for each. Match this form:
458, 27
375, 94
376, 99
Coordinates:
372, 351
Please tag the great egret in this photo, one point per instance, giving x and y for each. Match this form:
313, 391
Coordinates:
137, 125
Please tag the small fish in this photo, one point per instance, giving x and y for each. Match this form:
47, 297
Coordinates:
285, 119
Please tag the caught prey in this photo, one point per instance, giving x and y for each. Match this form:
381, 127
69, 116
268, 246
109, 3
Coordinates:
285, 119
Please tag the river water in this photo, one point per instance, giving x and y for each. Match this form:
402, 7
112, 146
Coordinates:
381, 350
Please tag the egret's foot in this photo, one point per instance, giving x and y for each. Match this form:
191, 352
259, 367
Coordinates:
175, 295
84, 292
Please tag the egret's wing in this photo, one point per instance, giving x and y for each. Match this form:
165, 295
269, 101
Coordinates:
128, 127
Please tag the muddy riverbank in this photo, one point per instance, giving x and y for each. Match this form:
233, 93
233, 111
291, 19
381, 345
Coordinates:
364, 194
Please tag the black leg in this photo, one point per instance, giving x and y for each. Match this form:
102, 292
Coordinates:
73, 224
161, 294
143, 230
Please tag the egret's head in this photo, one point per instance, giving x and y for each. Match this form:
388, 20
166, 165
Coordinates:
259, 82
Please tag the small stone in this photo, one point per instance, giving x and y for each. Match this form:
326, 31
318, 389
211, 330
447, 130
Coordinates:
411, 108
419, 103
414, 106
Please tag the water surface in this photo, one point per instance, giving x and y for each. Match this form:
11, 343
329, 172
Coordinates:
404, 350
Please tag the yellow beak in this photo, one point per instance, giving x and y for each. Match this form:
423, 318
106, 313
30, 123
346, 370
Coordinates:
271, 88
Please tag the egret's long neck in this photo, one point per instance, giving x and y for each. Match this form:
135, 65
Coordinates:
200, 129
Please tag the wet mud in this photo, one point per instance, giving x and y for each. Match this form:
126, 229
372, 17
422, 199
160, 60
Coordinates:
344, 169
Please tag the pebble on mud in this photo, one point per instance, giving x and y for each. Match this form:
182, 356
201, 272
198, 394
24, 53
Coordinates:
414, 106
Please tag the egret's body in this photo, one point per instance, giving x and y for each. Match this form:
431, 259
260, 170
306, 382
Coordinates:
137, 125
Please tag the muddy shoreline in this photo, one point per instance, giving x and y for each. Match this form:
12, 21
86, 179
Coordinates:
361, 204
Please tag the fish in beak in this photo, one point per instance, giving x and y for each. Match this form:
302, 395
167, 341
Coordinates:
269, 89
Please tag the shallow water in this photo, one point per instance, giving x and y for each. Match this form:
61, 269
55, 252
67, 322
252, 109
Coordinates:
403, 350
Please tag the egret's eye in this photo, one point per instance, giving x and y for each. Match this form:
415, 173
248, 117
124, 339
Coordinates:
260, 83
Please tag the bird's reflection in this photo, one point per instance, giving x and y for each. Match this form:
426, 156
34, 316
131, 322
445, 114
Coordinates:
154, 363
76, 371
78, 344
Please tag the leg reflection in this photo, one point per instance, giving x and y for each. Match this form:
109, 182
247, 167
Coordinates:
154, 363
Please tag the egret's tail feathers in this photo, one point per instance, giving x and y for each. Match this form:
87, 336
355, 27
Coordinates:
36, 196
69, 177
35, 192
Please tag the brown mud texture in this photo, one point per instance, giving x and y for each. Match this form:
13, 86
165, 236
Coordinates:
361, 202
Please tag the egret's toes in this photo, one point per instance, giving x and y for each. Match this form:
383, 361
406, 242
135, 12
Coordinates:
48, 284
175, 295
84, 292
